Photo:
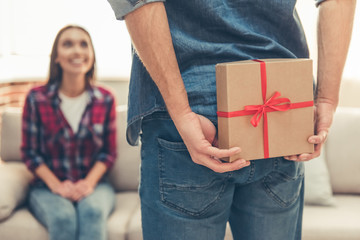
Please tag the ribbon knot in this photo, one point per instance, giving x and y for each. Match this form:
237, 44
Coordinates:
272, 104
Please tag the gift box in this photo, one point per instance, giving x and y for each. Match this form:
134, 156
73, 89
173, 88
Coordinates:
265, 107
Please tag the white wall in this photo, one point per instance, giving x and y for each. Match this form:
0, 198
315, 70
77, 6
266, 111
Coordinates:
28, 28
308, 13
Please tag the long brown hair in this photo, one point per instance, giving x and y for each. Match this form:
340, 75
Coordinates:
55, 71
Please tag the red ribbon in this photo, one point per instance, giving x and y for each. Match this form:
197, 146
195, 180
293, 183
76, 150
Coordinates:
271, 105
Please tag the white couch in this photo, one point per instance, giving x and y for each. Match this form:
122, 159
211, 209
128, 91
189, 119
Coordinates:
19, 224
340, 221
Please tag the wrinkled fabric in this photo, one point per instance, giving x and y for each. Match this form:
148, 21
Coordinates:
209, 32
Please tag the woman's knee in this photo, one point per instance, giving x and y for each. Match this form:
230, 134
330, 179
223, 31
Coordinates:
63, 224
89, 211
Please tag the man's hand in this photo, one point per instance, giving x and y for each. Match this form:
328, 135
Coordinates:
324, 112
198, 134
150, 33
334, 34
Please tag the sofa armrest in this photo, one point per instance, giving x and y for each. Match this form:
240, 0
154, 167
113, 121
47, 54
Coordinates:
124, 175
11, 134
342, 154
14, 184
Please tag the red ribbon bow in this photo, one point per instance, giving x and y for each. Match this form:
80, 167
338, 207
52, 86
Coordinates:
271, 105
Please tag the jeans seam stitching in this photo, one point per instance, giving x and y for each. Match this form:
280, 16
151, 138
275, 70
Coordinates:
275, 197
272, 194
199, 213
251, 174
161, 167
172, 146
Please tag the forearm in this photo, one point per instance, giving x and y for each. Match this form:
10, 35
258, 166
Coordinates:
49, 178
149, 30
334, 34
95, 174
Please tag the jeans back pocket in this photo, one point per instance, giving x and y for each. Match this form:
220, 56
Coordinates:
184, 185
285, 183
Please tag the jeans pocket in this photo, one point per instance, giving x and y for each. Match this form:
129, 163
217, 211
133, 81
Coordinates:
285, 183
184, 185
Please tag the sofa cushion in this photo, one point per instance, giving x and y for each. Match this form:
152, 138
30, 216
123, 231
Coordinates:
135, 229
118, 222
22, 226
11, 134
342, 151
339, 222
14, 179
317, 182
31, 229
125, 173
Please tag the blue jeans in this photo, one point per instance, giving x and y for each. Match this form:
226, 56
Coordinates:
66, 220
183, 200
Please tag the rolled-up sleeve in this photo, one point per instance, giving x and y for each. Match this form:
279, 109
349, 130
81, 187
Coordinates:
30, 146
318, 2
123, 7
109, 152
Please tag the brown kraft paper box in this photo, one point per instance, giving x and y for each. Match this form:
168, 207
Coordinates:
244, 83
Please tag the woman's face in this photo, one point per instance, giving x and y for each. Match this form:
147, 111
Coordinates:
74, 52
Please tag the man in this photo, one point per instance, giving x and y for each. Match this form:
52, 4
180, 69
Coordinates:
186, 191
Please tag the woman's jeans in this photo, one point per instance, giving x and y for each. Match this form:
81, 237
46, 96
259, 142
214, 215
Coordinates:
65, 220
183, 200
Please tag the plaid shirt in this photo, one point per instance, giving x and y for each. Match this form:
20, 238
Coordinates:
47, 137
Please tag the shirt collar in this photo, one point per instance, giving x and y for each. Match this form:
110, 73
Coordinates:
53, 90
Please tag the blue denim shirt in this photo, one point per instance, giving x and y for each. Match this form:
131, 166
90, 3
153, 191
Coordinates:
207, 32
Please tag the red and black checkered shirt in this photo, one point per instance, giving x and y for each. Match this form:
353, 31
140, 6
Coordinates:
47, 137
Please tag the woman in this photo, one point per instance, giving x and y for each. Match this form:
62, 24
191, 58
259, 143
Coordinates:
68, 142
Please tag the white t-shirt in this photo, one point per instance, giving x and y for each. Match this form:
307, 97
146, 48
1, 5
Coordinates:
73, 108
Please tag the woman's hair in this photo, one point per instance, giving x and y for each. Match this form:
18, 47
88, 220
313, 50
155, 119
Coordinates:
55, 71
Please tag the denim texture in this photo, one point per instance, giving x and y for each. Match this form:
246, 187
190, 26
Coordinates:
190, 201
65, 220
207, 32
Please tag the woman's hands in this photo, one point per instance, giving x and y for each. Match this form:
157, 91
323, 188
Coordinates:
74, 191
68, 189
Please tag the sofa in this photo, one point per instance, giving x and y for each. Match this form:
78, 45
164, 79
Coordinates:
332, 209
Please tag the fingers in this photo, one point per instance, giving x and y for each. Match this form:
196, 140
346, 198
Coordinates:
65, 189
76, 196
221, 167
199, 135
68, 186
82, 189
292, 157
74, 191
306, 156
319, 138
222, 153
211, 158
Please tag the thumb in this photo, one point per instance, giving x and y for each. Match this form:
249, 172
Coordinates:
207, 128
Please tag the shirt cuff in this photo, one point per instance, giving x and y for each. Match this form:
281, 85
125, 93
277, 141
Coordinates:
107, 159
123, 7
318, 2
33, 164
